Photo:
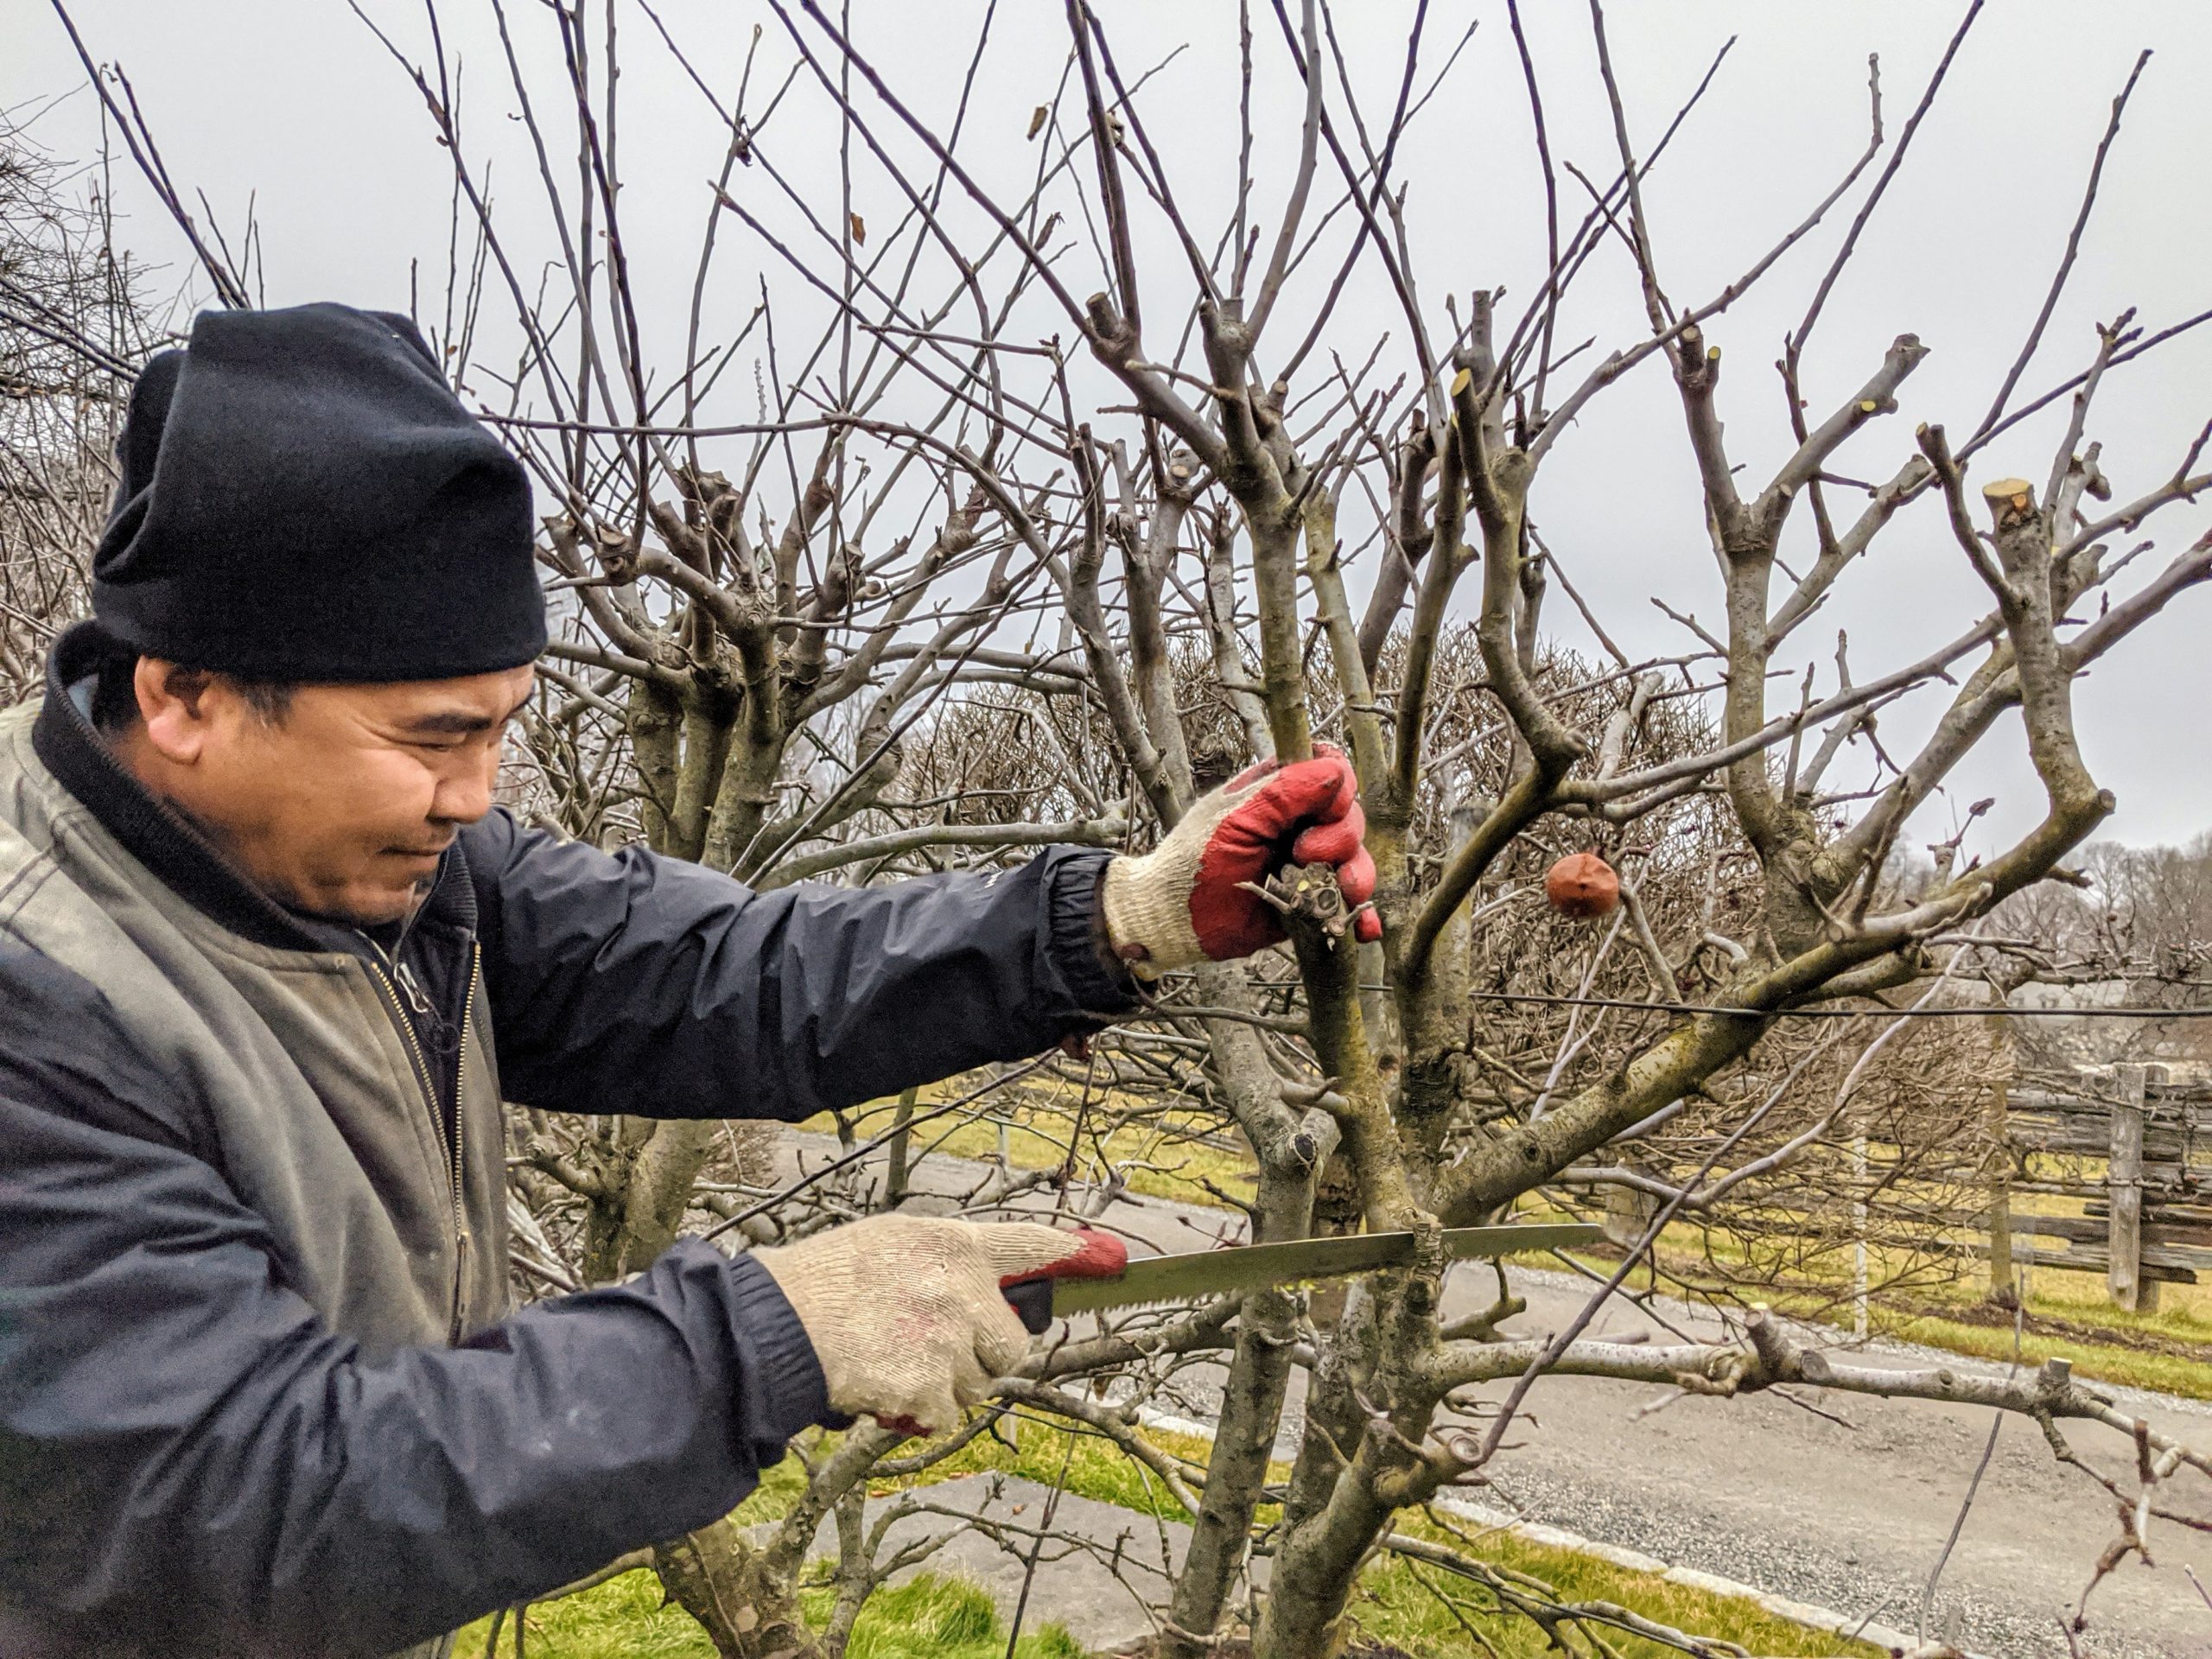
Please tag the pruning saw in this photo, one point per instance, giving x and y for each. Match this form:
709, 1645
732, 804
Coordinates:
1100, 1276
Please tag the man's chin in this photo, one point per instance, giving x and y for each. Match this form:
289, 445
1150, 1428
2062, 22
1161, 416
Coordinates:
365, 906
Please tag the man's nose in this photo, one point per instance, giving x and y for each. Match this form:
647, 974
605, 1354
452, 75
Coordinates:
464, 794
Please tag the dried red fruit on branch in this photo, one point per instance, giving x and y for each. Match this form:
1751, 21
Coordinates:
1582, 884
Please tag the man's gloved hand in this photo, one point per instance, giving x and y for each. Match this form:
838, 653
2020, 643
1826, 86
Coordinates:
1181, 902
906, 1312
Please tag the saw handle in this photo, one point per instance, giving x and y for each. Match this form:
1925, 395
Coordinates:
1097, 1255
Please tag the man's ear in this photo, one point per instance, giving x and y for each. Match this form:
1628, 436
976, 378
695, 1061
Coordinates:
173, 709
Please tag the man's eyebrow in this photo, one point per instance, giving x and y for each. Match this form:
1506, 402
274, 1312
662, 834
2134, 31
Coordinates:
456, 722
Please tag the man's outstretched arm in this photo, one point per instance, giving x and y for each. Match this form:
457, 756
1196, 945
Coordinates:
625, 983
630, 983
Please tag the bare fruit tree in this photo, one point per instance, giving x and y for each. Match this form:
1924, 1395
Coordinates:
1200, 457
1028, 510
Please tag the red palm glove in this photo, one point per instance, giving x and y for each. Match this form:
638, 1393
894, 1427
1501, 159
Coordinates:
1181, 902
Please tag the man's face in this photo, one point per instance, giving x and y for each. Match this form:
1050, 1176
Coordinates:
341, 807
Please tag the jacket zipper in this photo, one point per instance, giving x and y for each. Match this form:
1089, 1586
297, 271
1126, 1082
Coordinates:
401, 981
461, 1241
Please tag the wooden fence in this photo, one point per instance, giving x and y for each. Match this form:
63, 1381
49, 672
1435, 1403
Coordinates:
2148, 1220
2134, 1148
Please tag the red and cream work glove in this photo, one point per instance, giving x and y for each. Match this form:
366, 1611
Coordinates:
907, 1313
1182, 902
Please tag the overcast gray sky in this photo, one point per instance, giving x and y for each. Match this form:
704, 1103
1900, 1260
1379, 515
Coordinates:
291, 103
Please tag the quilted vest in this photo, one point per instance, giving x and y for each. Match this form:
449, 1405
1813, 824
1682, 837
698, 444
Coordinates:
316, 1096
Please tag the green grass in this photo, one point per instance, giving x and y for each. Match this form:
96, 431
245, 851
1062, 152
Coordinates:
927, 1618
1157, 1156
1397, 1603
623, 1618
2100, 1362
2074, 1298
1097, 1468
1932, 1314
944, 1618
1392, 1604
1925, 1324
932, 1617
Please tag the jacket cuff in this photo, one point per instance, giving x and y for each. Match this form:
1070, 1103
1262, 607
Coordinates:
787, 1391
1097, 983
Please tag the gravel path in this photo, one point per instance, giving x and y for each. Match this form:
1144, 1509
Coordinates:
1854, 1515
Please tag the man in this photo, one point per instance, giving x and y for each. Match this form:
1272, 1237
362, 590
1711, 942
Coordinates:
270, 960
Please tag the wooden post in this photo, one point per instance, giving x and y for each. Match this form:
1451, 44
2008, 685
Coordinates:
1629, 1212
2002, 1290
2124, 1181
1860, 1321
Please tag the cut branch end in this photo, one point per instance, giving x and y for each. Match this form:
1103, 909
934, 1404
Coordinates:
2010, 500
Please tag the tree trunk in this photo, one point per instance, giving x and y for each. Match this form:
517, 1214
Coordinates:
1290, 1149
648, 1189
747, 1605
656, 725
1251, 1407
896, 1170
1315, 1568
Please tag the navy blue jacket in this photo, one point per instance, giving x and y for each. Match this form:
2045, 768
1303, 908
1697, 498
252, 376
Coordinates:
190, 1463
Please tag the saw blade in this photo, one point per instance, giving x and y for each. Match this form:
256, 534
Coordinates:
1196, 1274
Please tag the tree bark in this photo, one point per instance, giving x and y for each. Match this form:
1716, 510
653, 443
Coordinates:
746, 1603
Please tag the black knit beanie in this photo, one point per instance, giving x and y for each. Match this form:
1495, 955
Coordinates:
304, 498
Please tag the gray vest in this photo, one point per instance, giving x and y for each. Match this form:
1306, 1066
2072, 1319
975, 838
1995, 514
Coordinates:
318, 1100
